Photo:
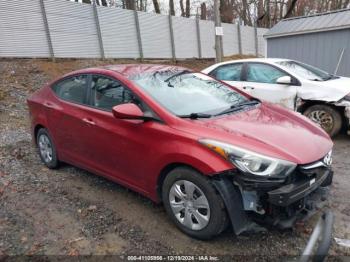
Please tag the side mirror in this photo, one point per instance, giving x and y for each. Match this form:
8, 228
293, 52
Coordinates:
284, 80
127, 111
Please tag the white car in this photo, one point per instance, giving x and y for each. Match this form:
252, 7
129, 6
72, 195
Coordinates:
323, 97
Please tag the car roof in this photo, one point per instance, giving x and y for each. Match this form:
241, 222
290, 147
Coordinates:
261, 60
132, 70
265, 60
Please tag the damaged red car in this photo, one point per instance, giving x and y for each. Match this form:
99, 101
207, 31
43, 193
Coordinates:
213, 155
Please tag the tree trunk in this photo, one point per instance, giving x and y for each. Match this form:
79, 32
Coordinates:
156, 6
281, 10
261, 14
246, 13
188, 8
275, 12
182, 8
267, 14
203, 11
171, 7
129, 4
290, 9
226, 11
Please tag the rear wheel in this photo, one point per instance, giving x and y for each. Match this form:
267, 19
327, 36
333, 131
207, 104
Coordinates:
325, 116
47, 149
193, 204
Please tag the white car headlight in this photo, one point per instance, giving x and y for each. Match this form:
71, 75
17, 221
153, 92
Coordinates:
250, 162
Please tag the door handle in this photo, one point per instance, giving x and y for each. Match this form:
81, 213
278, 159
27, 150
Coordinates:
89, 121
248, 87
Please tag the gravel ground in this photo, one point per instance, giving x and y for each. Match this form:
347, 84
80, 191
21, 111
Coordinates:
72, 212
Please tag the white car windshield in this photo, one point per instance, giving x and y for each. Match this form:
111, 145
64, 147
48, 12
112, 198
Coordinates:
185, 93
306, 71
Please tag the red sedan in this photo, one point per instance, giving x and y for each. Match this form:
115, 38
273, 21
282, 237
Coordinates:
213, 155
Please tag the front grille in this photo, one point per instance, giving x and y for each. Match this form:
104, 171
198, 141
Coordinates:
313, 169
308, 171
313, 172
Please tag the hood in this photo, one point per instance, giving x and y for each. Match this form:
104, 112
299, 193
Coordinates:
331, 91
269, 130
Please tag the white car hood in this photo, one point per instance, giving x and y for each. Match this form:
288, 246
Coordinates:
329, 91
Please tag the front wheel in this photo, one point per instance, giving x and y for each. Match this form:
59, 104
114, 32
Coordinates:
326, 117
193, 204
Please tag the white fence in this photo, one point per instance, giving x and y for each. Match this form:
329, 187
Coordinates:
65, 29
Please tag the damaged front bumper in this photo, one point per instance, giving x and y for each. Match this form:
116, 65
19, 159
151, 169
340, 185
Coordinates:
289, 194
253, 201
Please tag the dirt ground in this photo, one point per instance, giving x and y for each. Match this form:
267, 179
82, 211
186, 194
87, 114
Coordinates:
72, 212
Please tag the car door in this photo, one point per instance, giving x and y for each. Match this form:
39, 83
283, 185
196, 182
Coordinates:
116, 147
230, 74
68, 118
260, 81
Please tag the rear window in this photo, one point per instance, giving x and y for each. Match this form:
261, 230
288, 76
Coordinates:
231, 72
72, 89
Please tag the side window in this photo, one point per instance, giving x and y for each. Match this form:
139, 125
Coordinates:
72, 89
263, 73
107, 93
231, 72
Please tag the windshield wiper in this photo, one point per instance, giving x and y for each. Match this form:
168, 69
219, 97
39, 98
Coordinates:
177, 74
329, 77
326, 78
240, 106
195, 115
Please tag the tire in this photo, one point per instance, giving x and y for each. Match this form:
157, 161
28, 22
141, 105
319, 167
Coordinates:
212, 220
47, 149
325, 116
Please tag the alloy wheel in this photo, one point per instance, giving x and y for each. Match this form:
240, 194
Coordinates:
45, 148
322, 118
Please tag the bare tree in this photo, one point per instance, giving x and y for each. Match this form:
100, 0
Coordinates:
188, 8
171, 7
182, 8
290, 8
226, 11
203, 11
130, 4
265, 13
156, 6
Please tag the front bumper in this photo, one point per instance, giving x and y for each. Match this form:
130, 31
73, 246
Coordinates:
289, 194
250, 200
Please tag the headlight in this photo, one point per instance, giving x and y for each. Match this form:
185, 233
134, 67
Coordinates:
250, 162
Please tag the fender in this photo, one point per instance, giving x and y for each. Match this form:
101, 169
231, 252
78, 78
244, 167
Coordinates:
233, 203
208, 164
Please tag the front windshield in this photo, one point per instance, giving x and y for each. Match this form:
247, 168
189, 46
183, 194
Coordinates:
306, 71
184, 93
